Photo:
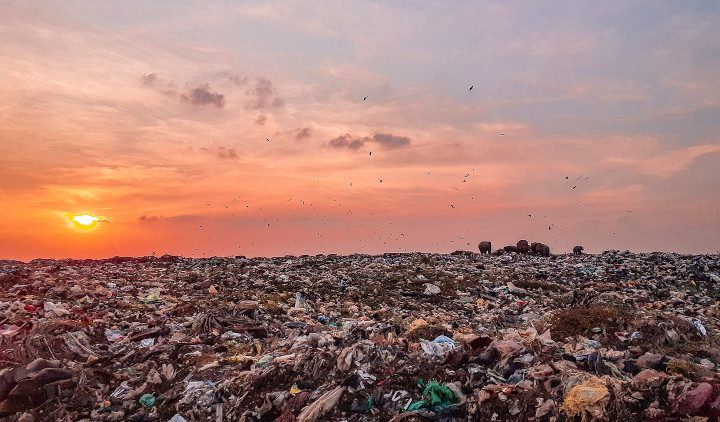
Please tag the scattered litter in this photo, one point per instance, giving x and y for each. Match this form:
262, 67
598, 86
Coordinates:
463, 336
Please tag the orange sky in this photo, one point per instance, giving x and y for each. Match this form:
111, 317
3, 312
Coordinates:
241, 129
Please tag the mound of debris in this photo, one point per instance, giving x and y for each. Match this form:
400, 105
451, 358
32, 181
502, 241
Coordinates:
393, 337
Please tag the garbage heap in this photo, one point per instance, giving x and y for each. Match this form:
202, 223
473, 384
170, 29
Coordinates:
393, 337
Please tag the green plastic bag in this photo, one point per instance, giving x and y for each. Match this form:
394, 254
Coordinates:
436, 397
147, 401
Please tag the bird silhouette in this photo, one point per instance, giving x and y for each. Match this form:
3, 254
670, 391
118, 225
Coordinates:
364, 98
471, 87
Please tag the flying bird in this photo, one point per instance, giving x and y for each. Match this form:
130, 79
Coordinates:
364, 98
452, 206
370, 153
267, 139
471, 87
502, 134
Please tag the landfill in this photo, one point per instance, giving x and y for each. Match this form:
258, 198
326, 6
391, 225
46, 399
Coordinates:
391, 337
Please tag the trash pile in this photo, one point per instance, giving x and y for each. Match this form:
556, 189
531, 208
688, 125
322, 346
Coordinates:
392, 337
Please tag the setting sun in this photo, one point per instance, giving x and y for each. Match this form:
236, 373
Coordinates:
85, 221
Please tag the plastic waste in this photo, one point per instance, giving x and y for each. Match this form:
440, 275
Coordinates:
114, 335
699, 327
300, 300
624, 329
264, 361
231, 335
199, 392
321, 406
147, 401
56, 309
152, 298
588, 398
431, 289
439, 347
147, 342
121, 390
436, 397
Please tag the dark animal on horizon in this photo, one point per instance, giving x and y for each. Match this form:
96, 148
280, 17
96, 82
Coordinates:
543, 250
523, 247
578, 250
510, 248
539, 249
485, 247
533, 248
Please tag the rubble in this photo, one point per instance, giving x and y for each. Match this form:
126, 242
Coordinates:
395, 337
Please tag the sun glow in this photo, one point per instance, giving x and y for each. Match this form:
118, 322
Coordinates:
85, 221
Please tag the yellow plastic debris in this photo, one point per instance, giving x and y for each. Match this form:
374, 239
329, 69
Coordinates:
587, 399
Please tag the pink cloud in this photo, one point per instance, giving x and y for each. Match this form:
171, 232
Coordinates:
667, 164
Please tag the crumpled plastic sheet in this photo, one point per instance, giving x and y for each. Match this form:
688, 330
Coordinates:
322, 405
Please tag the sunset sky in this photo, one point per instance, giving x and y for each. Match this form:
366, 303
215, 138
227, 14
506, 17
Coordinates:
240, 128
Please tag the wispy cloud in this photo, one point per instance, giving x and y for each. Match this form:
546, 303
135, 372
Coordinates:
384, 140
390, 141
199, 95
303, 133
227, 153
149, 79
264, 95
237, 80
202, 95
348, 141
151, 218
666, 164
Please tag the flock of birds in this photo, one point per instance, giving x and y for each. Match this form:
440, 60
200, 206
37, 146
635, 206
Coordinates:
382, 234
